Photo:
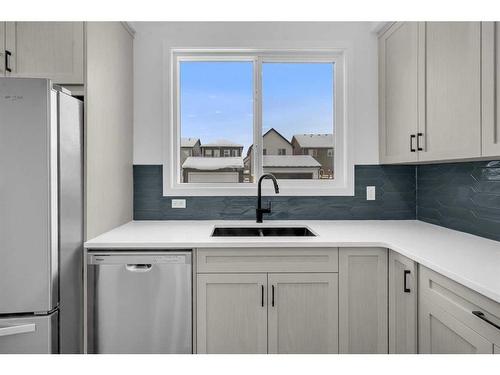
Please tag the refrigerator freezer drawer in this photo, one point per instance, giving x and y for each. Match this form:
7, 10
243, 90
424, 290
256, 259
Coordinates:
29, 334
140, 303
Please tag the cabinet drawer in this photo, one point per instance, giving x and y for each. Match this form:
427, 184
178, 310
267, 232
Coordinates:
267, 260
461, 302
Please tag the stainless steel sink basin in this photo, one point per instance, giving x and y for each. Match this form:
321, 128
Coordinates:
262, 232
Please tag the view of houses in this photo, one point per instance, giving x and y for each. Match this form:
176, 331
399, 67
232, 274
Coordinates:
305, 156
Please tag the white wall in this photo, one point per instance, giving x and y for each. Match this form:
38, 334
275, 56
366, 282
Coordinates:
151, 108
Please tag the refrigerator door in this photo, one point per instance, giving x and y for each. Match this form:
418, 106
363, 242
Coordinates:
29, 334
28, 196
70, 221
142, 303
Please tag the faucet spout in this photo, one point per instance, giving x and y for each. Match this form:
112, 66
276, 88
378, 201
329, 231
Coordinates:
260, 211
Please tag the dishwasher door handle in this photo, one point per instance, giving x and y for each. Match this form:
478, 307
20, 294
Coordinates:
139, 267
10, 330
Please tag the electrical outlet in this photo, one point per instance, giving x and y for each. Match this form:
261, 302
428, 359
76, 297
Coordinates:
370, 193
178, 203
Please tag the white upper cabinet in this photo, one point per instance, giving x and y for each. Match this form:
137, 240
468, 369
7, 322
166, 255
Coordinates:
453, 91
52, 50
430, 92
2, 49
491, 84
398, 90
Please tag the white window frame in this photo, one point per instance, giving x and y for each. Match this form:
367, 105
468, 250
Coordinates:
342, 185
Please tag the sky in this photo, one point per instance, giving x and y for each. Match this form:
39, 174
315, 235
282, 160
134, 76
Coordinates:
216, 99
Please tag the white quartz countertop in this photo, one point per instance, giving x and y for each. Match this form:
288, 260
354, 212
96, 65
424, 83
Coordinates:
470, 260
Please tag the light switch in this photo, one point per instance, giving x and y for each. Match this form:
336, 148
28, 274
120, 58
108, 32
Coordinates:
178, 203
370, 193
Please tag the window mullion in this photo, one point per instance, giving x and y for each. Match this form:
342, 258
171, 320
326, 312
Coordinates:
257, 151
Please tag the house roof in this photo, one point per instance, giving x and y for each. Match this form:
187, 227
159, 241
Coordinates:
189, 142
221, 143
277, 132
212, 164
314, 140
289, 161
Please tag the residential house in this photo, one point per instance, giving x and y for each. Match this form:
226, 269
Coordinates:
320, 147
190, 147
222, 148
291, 166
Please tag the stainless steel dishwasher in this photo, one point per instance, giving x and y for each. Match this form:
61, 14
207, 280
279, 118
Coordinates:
139, 302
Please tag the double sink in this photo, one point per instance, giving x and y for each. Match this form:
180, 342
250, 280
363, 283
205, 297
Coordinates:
262, 232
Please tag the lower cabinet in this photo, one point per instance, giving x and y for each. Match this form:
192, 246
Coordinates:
303, 313
455, 319
267, 313
363, 300
441, 333
232, 313
402, 304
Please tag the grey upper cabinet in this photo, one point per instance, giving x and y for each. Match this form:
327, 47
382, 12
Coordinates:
232, 313
2, 49
303, 313
363, 300
453, 91
398, 92
402, 304
52, 50
496, 349
490, 87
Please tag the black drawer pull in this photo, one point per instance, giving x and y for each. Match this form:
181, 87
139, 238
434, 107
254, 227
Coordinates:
481, 316
272, 299
262, 295
405, 286
418, 141
7, 61
412, 137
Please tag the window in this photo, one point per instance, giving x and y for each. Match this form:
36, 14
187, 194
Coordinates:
236, 101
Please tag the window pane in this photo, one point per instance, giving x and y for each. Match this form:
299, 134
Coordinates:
298, 121
216, 121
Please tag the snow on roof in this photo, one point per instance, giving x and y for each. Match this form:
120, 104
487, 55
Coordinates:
212, 164
315, 140
189, 142
221, 143
290, 161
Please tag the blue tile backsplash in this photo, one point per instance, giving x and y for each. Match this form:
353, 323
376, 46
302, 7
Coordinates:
395, 190
461, 196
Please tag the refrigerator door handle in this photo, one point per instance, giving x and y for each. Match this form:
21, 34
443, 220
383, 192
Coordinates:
10, 330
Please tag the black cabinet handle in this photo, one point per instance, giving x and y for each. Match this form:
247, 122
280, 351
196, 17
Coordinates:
418, 141
272, 296
7, 61
262, 295
405, 277
481, 316
412, 137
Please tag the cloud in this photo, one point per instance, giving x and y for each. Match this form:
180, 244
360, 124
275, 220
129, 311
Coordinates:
218, 112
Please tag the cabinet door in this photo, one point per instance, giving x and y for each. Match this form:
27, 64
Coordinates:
398, 92
496, 349
402, 304
491, 85
441, 333
2, 49
453, 91
46, 50
303, 313
232, 313
363, 300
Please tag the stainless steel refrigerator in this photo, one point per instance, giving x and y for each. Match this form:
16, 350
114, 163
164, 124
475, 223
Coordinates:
41, 217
